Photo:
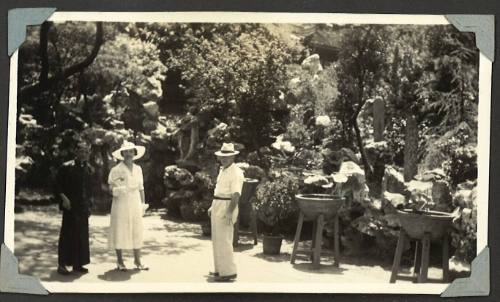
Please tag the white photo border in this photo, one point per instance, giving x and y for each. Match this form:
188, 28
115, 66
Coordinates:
484, 113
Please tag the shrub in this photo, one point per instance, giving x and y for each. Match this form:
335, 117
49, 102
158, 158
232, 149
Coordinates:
464, 234
297, 132
455, 152
275, 204
308, 159
175, 177
201, 209
251, 171
462, 164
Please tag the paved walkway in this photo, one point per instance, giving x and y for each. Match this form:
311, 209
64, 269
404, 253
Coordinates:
175, 252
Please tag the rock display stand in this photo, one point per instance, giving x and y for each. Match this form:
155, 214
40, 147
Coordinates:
318, 208
423, 228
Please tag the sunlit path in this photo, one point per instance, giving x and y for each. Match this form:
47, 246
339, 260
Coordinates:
175, 252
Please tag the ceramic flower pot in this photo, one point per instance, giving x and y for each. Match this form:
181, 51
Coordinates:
417, 223
312, 205
272, 244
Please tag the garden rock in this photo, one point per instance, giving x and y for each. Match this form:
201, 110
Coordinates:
117, 124
163, 139
435, 174
350, 168
176, 178
181, 195
348, 154
464, 198
393, 181
467, 185
323, 120
441, 195
312, 64
394, 199
379, 152
331, 160
282, 145
152, 109
420, 187
23, 163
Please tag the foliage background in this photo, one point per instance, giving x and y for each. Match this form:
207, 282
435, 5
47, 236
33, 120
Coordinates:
296, 98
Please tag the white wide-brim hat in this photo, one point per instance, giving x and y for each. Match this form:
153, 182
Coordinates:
140, 150
227, 149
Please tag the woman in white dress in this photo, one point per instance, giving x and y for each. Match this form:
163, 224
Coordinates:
126, 182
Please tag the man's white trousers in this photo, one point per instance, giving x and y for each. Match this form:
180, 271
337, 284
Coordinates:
222, 238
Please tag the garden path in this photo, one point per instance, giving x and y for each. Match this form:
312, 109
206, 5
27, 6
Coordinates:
175, 252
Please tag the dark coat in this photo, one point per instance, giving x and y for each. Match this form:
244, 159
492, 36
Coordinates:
74, 180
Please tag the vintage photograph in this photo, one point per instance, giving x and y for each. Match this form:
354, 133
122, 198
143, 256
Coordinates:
270, 153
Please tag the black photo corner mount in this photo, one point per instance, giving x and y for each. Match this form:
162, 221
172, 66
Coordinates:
478, 284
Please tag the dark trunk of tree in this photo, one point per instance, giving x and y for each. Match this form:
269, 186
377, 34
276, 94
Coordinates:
29, 91
359, 142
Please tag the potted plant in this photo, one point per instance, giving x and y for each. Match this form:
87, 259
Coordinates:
276, 208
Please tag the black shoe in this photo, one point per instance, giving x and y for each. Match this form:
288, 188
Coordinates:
80, 269
121, 267
62, 270
227, 278
142, 267
215, 274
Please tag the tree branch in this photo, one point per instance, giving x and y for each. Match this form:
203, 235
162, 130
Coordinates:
37, 88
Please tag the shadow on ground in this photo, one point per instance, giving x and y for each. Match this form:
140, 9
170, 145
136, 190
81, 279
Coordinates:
117, 275
55, 276
37, 232
241, 247
322, 269
36, 250
37, 236
283, 257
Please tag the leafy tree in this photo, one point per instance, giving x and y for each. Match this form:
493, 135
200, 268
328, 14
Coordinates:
234, 71
362, 66
63, 102
406, 82
451, 98
454, 77
48, 62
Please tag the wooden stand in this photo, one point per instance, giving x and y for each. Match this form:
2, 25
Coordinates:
247, 191
253, 227
421, 259
315, 251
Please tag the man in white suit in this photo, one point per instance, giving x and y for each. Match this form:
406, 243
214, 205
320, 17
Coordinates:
224, 212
